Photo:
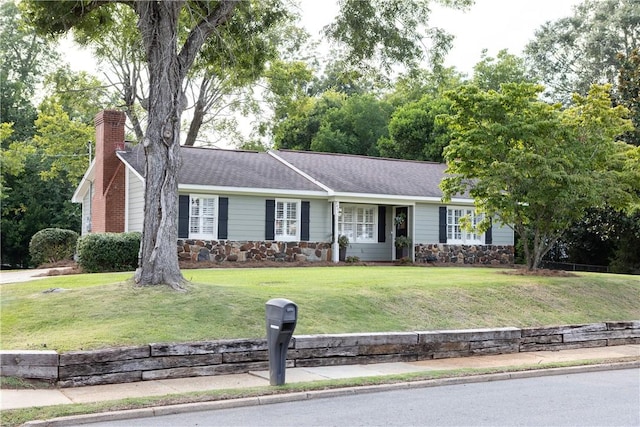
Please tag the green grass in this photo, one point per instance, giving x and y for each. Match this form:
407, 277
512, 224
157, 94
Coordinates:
102, 310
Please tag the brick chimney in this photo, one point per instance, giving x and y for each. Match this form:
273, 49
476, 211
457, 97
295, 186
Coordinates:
108, 201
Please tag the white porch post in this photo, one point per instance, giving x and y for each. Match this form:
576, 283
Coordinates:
335, 249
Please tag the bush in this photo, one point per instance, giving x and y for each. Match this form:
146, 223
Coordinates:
52, 245
101, 252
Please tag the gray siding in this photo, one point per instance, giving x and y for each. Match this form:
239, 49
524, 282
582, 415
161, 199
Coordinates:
320, 221
502, 235
86, 213
370, 251
247, 215
246, 218
426, 223
135, 200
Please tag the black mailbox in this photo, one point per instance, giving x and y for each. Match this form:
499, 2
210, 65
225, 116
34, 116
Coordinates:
282, 316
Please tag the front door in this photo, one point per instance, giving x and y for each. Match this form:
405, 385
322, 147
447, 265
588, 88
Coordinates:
401, 221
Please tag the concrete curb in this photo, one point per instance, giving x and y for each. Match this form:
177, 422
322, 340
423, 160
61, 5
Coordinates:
319, 394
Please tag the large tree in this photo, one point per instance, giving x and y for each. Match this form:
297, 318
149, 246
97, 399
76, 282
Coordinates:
571, 54
24, 59
536, 167
391, 28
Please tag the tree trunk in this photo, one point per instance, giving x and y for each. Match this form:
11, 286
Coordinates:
158, 25
158, 260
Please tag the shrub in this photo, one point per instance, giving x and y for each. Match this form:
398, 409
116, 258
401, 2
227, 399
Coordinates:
52, 245
352, 259
101, 252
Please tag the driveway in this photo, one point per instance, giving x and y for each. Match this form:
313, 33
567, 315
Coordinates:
17, 276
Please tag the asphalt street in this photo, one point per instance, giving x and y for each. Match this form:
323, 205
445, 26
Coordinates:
609, 398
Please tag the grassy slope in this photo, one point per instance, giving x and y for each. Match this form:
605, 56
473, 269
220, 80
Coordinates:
102, 310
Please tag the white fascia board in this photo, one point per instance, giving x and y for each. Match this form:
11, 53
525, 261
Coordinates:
392, 199
131, 168
305, 175
212, 189
84, 184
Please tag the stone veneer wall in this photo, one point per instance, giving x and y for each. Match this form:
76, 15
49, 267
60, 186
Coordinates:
233, 251
465, 254
179, 360
227, 250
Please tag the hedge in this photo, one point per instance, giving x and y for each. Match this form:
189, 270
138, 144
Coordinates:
102, 252
51, 245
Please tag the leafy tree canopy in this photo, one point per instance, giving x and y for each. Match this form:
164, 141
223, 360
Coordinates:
571, 54
24, 59
533, 165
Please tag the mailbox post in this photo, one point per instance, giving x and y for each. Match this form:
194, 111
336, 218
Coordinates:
282, 316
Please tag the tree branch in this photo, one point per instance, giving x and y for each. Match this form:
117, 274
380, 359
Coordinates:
197, 37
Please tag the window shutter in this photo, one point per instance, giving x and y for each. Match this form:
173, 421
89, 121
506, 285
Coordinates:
270, 220
304, 218
183, 217
443, 224
488, 235
223, 217
382, 224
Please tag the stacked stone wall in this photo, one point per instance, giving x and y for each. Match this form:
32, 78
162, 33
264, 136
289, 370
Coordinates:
179, 360
465, 254
233, 251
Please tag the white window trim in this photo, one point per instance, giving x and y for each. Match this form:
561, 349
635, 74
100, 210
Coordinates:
468, 238
205, 236
298, 220
354, 238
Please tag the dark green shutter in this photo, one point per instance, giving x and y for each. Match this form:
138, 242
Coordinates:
223, 218
183, 217
382, 224
488, 235
443, 224
304, 218
270, 220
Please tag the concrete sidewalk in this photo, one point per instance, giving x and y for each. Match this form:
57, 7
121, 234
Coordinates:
12, 399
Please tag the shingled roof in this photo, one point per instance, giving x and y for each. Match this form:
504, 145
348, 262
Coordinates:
230, 168
346, 174
369, 175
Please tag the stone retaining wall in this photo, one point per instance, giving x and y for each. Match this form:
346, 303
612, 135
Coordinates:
227, 250
234, 251
178, 360
465, 254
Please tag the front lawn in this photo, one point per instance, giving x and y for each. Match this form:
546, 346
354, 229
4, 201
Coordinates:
101, 310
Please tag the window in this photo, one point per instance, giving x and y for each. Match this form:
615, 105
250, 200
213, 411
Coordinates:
455, 232
202, 217
358, 223
287, 220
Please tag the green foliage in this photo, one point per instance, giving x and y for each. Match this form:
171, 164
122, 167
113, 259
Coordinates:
629, 92
390, 31
352, 259
490, 73
101, 252
24, 59
414, 133
533, 165
335, 123
30, 204
52, 245
571, 54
